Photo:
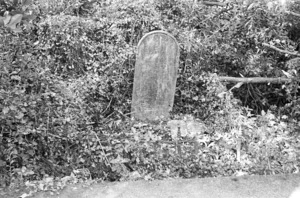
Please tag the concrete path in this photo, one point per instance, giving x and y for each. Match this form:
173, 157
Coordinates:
280, 186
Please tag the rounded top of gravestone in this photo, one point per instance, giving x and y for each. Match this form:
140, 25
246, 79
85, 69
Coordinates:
157, 32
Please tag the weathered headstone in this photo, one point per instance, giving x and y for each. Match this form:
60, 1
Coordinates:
155, 76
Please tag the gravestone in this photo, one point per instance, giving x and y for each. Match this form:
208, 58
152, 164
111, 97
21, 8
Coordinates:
155, 76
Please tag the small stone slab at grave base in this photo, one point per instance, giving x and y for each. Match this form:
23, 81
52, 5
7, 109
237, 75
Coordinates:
155, 76
188, 128
278, 186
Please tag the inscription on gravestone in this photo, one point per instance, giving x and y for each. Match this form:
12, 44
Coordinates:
155, 76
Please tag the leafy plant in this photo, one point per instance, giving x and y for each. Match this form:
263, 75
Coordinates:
66, 81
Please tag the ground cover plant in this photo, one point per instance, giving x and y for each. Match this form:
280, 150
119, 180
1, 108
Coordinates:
66, 82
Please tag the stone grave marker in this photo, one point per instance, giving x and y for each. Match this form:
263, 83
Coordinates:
155, 76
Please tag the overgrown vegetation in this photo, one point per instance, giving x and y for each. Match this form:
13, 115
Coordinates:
66, 82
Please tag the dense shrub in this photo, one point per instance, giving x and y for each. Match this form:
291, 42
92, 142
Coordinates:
66, 83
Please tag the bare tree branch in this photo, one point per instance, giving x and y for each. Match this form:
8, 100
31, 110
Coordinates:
255, 80
212, 3
293, 13
280, 50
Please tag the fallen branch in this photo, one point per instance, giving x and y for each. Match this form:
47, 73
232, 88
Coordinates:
255, 80
293, 13
281, 51
212, 3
